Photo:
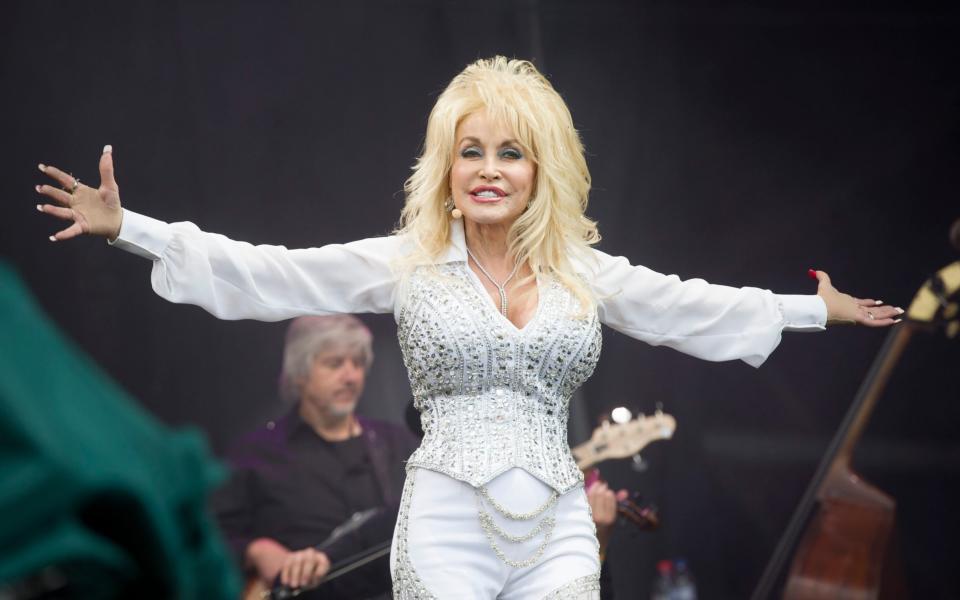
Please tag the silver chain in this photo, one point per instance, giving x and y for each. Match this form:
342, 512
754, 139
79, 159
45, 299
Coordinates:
519, 564
491, 529
489, 523
500, 286
518, 516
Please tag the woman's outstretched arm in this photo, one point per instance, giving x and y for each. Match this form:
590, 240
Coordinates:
717, 322
228, 278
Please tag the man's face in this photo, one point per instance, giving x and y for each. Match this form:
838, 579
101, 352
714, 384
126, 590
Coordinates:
334, 383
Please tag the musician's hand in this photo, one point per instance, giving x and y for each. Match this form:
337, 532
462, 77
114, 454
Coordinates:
844, 309
603, 505
267, 557
94, 211
304, 568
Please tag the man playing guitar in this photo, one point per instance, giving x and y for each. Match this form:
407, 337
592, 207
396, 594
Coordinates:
300, 477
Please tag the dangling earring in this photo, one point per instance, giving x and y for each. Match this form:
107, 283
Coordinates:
455, 212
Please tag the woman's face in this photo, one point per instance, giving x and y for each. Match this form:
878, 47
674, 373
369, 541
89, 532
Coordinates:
491, 179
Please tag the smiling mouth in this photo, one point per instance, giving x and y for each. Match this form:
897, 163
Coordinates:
487, 194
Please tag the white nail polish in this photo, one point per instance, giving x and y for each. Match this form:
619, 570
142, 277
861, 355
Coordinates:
53, 239
37, 187
899, 310
878, 302
40, 208
107, 148
42, 167
897, 320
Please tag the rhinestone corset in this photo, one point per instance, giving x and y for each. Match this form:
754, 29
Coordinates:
492, 396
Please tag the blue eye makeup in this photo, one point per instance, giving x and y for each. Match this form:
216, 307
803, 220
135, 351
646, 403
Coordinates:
504, 153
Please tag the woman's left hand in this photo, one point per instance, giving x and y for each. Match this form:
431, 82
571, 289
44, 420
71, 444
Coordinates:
844, 309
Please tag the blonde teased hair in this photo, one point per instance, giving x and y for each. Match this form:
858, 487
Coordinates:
554, 225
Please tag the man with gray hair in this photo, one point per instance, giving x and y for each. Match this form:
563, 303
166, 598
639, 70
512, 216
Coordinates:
297, 479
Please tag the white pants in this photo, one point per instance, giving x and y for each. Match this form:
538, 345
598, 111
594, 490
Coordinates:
441, 551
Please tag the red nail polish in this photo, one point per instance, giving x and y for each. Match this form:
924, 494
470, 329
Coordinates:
812, 273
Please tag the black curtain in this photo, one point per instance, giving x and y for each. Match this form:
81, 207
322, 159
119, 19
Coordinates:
742, 143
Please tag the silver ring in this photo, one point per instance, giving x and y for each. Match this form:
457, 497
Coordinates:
870, 314
76, 184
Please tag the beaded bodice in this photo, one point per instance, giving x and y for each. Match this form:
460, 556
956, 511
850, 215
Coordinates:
492, 396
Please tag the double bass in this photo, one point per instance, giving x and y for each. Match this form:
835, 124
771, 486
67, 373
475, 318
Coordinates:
845, 525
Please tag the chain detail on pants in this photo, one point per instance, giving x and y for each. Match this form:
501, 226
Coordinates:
442, 551
492, 530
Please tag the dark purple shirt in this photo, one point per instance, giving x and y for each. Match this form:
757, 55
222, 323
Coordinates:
291, 485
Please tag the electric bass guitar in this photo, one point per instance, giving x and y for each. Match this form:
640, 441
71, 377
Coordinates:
620, 440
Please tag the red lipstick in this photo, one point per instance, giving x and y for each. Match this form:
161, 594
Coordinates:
487, 188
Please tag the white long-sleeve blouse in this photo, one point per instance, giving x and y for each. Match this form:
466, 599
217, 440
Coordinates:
237, 280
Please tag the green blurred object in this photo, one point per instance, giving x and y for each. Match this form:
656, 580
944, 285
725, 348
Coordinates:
97, 499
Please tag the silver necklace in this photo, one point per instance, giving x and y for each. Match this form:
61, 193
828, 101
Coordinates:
500, 286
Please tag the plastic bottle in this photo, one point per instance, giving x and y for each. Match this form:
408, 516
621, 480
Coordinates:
684, 587
663, 583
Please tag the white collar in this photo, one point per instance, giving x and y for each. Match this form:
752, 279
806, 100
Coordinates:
457, 250
457, 247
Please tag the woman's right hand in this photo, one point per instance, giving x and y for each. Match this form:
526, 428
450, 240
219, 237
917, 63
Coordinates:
94, 211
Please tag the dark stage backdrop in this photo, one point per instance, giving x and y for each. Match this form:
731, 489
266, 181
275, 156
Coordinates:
738, 143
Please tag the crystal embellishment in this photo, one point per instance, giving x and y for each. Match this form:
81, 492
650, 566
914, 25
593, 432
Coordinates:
491, 396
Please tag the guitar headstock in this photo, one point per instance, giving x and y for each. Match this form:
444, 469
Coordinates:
620, 440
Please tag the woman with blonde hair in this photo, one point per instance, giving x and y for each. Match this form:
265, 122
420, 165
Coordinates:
498, 298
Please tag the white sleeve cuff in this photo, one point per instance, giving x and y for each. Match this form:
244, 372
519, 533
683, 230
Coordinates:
806, 312
142, 235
